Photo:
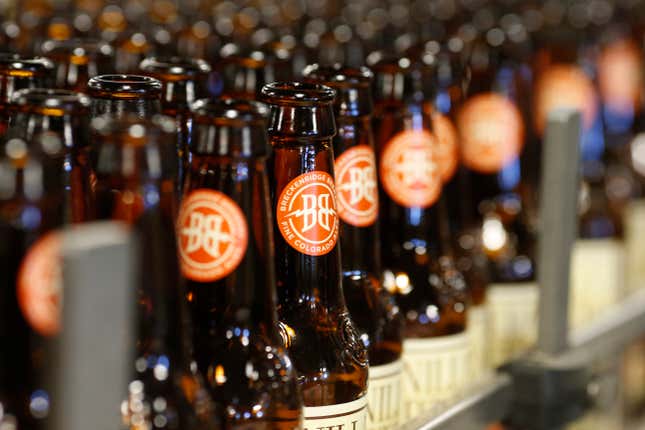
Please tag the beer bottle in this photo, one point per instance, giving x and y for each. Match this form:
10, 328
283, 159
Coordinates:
445, 84
17, 73
492, 130
371, 306
64, 115
321, 338
118, 95
31, 205
183, 82
243, 72
135, 177
78, 60
417, 261
226, 254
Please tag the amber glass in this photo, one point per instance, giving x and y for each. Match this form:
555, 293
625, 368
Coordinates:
17, 73
183, 81
78, 60
133, 169
236, 323
322, 340
30, 208
243, 72
502, 198
118, 95
445, 82
371, 306
418, 264
62, 115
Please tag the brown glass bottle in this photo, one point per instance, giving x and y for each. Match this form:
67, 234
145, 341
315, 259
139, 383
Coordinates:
322, 340
243, 72
226, 254
371, 307
118, 95
30, 212
417, 260
78, 60
135, 173
183, 82
17, 73
62, 115
493, 128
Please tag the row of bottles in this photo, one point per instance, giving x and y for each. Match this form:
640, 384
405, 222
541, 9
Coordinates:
383, 215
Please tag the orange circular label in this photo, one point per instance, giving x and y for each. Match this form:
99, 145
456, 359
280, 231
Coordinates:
306, 213
356, 186
564, 86
491, 131
408, 168
212, 234
620, 77
447, 152
39, 285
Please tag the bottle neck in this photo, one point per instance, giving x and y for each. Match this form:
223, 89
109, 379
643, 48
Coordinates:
356, 131
162, 317
71, 128
246, 297
313, 275
142, 107
178, 95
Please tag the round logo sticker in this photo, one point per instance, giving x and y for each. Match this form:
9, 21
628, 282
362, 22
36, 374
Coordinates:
212, 235
39, 285
306, 213
356, 186
491, 131
447, 150
409, 171
620, 77
564, 86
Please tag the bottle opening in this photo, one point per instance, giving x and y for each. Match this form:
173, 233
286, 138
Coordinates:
339, 76
297, 94
15, 65
74, 48
50, 101
124, 86
229, 110
169, 68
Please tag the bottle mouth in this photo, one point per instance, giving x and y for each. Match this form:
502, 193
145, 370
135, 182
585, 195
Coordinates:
384, 63
232, 53
51, 102
230, 112
297, 94
124, 86
339, 76
174, 68
15, 65
77, 48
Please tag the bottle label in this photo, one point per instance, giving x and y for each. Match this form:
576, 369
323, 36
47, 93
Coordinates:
39, 285
408, 167
447, 149
306, 213
435, 370
597, 278
343, 416
356, 186
491, 131
564, 86
634, 223
620, 77
384, 396
212, 234
512, 312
